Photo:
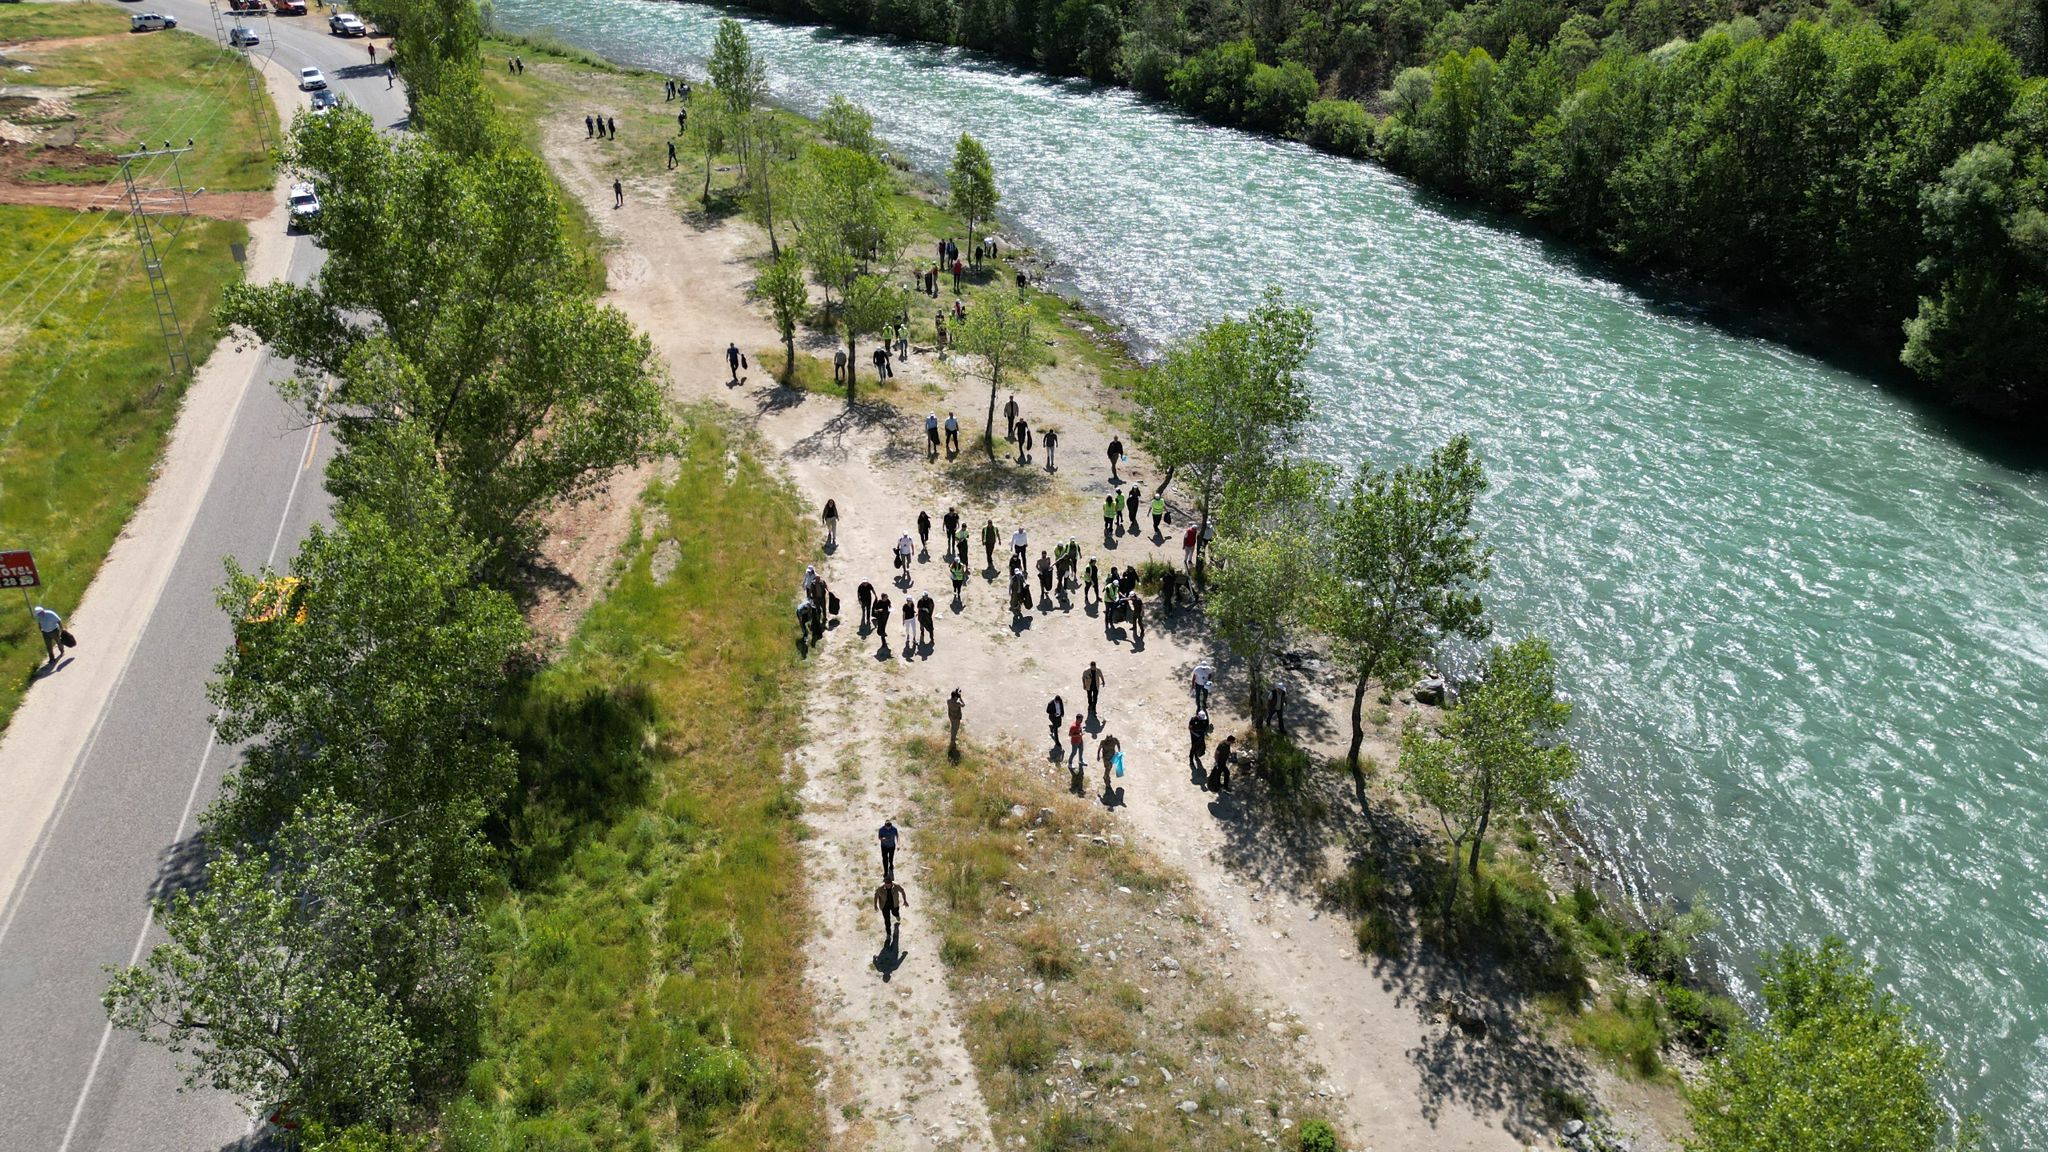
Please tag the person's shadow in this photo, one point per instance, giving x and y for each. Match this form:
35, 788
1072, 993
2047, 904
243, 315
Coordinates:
890, 958
48, 669
1113, 798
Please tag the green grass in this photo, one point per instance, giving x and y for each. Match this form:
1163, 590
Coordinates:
20, 22
648, 968
86, 393
148, 88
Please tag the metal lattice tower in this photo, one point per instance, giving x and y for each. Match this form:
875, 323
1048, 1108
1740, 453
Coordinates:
152, 263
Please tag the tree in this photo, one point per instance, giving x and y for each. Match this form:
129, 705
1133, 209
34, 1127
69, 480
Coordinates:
871, 305
1229, 399
972, 184
312, 974
848, 125
450, 301
1835, 1063
376, 677
705, 129
1000, 329
765, 165
739, 78
846, 216
782, 286
1257, 602
1404, 569
1499, 745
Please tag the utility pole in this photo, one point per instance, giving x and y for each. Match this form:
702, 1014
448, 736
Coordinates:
221, 24
152, 263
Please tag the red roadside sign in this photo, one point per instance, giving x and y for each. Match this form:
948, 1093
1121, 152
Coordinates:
18, 570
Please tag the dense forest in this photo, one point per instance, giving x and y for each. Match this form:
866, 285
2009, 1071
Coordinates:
1877, 171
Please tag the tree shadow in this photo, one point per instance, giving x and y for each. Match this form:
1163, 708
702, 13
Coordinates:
986, 483
830, 441
182, 868
583, 759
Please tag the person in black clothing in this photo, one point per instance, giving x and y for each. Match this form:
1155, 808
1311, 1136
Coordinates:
1055, 711
887, 836
589, 128
1052, 443
865, 596
1116, 453
924, 617
988, 543
882, 617
1219, 777
1276, 707
618, 194
1091, 683
1131, 502
732, 360
924, 530
671, 154
682, 121
1091, 589
612, 126
1044, 575
1198, 742
1129, 580
951, 521
1010, 418
1021, 431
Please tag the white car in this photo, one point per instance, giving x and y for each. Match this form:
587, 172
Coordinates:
311, 80
150, 22
304, 204
346, 24
242, 38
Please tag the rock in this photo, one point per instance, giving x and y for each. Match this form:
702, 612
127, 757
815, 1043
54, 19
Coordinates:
1044, 814
1188, 1106
1016, 811
1430, 690
1170, 962
1130, 1081
1038, 989
1574, 1129
1222, 1085
1168, 1073
1277, 1028
1121, 889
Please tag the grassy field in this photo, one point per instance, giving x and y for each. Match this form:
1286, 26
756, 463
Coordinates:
139, 88
649, 971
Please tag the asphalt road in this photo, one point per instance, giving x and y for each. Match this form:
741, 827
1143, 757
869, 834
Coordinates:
125, 823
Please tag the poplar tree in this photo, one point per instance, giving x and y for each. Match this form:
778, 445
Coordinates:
1001, 330
972, 184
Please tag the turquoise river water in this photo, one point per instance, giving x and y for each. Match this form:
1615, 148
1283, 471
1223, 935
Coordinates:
1805, 626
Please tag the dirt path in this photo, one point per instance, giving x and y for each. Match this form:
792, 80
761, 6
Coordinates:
1399, 1075
212, 205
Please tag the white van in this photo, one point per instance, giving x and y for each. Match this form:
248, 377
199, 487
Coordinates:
150, 22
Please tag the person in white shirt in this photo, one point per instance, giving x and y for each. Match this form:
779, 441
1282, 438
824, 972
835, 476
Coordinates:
1020, 545
904, 550
931, 436
52, 627
1201, 679
952, 434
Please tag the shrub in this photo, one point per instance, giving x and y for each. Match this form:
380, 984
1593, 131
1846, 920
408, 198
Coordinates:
1152, 574
1318, 1136
1702, 1019
1340, 126
1214, 83
1276, 98
1022, 1041
1627, 1030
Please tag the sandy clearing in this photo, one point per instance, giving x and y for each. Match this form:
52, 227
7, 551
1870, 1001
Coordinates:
899, 1074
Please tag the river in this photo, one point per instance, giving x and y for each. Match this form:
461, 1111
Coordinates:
1804, 624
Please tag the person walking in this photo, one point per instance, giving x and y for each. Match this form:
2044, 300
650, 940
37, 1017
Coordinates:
952, 433
1091, 587
611, 124
839, 365
1044, 575
1055, 711
958, 571
1110, 507
1169, 581
931, 437
51, 626
904, 550
671, 155
881, 615
1116, 453
924, 530
1276, 707
988, 543
1110, 751
831, 523
1158, 514
1010, 418
890, 902
1020, 547
1200, 680
924, 618
886, 836
955, 708
865, 597
1134, 607
1131, 502
1187, 548
732, 360
1075, 760
911, 636
1198, 743
618, 194
1092, 680
1021, 433
589, 128
951, 522
1219, 776
1052, 443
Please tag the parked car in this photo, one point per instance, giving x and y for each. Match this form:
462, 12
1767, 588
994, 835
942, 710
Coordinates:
305, 206
288, 7
346, 24
311, 80
150, 22
239, 37
246, 5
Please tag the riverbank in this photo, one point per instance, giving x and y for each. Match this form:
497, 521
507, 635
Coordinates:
1400, 1071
